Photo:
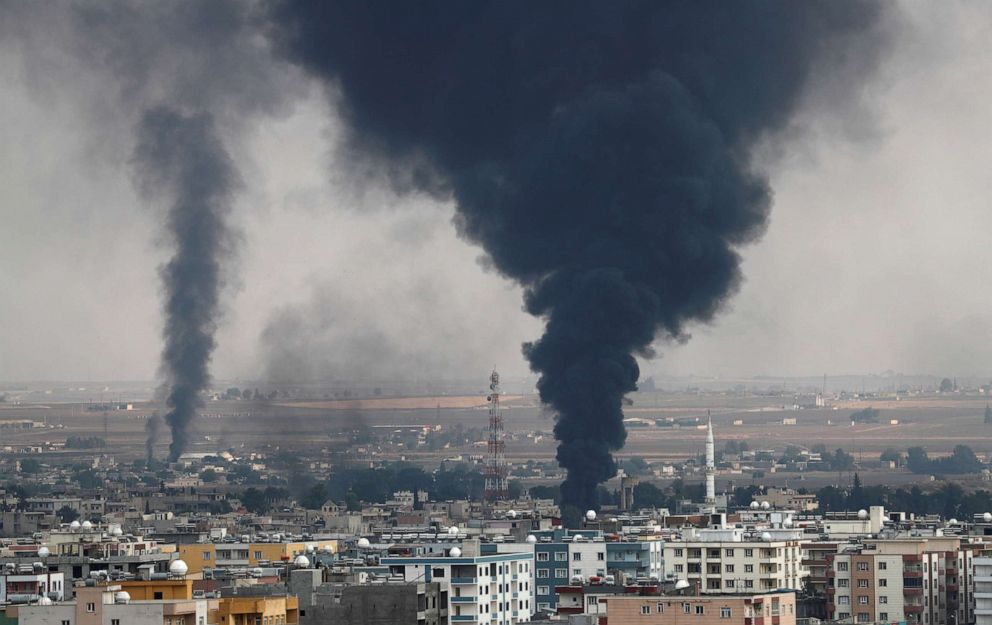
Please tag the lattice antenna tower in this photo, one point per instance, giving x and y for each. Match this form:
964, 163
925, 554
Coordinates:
496, 462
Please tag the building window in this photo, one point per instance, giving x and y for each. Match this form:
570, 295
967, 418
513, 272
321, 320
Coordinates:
600, 556
862, 583
862, 566
679, 568
542, 572
561, 572
576, 571
842, 566
729, 583
576, 557
864, 617
660, 607
843, 616
561, 556
729, 553
678, 553
883, 616
686, 608
258, 555
729, 568
883, 599
542, 556
65, 622
542, 590
749, 553
843, 583
749, 583
883, 566
862, 599
725, 613
91, 607
115, 621
882, 583
645, 609
843, 601
699, 610
749, 568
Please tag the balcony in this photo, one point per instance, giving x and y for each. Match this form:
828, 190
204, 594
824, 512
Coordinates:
910, 608
464, 618
953, 588
467, 599
463, 580
911, 591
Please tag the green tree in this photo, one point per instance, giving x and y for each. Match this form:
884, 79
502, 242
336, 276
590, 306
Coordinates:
209, 476
30, 466
946, 385
352, 502
857, 499
67, 514
892, 455
254, 501
917, 460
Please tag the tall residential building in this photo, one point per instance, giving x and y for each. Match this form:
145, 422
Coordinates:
731, 560
919, 581
493, 589
983, 588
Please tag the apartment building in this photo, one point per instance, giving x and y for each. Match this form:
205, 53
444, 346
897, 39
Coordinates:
983, 588
778, 608
732, 560
108, 605
919, 581
491, 589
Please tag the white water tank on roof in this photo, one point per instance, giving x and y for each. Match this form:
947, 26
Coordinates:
178, 568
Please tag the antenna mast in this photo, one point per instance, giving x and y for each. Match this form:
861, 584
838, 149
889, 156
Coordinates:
496, 462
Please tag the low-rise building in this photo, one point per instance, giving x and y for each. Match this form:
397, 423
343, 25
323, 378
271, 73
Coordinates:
776, 608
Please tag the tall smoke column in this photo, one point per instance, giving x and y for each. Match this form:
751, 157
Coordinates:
180, 158
152, 427
598, 151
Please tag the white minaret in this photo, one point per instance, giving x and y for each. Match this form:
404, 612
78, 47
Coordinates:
710, 463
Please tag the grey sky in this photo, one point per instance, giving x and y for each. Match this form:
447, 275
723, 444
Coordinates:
876, 258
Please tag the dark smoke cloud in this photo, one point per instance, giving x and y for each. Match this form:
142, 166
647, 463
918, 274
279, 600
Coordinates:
598, 151
187, 76
180, 159
152, 427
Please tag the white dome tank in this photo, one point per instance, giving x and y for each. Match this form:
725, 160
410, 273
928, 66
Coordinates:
44, 552
755, 505
74, 526
178, 568
122, 596
455, 552
987, 517
453, 530
765, 536
531, 539
590, 515
862, 514
87, 526
511, 514
301, 561
765, 505
45, 601
363, 543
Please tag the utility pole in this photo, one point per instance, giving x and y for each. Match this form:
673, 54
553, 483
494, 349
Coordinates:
496, 487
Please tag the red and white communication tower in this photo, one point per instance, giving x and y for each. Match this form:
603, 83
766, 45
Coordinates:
496, 462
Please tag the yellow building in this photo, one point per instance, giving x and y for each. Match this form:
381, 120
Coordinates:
151, 590
259, 610
201, 556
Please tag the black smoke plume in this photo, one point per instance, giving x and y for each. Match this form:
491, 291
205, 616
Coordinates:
598, 151
180, 158
152, 427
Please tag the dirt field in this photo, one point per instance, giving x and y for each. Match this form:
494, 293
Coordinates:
937, 423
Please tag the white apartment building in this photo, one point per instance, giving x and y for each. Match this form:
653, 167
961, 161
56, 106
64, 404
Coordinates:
983, 589
735, 561
494, 589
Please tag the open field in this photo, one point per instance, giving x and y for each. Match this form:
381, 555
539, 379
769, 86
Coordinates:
937, 423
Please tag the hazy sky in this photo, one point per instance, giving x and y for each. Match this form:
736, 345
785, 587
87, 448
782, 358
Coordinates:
877, 256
